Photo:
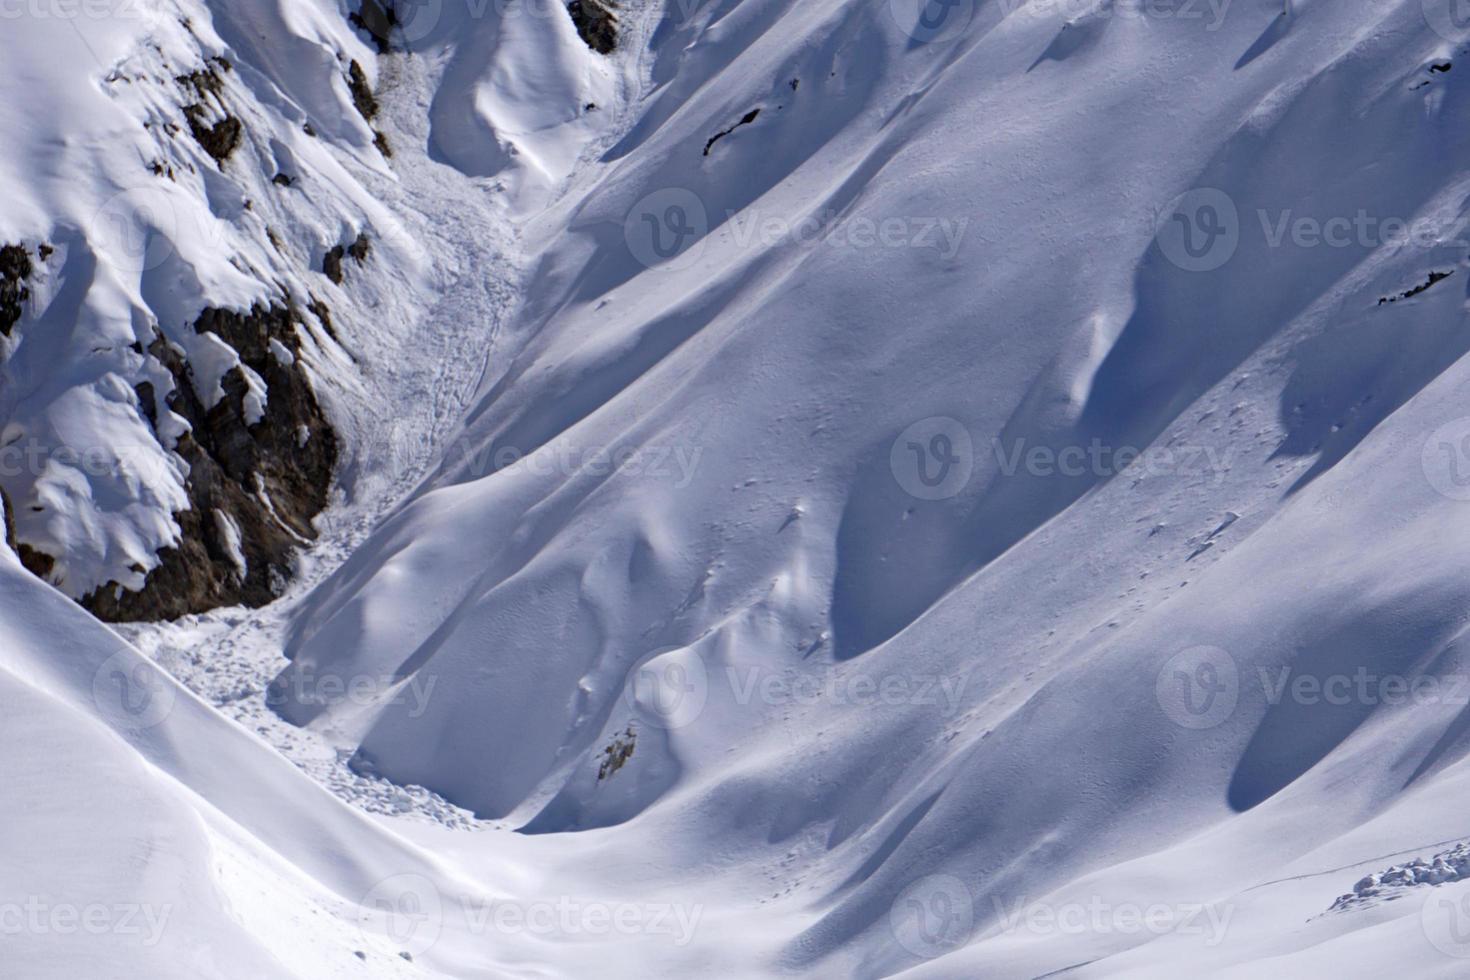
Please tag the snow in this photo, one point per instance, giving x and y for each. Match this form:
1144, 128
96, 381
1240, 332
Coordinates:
1005, 535
230, 534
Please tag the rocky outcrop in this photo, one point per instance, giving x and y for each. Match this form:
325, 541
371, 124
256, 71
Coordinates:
15, 269
9, 510
367, 104
218, 132
359, 250
1435, 278
362, 93
254, 488
617, 753
597, 23
1381, 886
745, 120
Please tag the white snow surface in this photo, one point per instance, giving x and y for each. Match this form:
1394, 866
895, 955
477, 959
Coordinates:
822, 514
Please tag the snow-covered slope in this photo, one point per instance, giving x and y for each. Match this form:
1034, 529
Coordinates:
217, 284
966, 489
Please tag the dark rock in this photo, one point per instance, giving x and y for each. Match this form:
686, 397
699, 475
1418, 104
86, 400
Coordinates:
745, 120
9, 519
148, 402
360, 249
332, 264
597, 23
38, 563
1435, 278
15, 269
282, 180
323, 313
219, 138
617, 753
271, 478
362, 92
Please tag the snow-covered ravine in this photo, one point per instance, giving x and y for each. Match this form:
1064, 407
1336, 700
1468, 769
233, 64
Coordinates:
229, 656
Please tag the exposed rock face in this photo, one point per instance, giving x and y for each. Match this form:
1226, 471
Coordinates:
15, 269
745, 120
617, 754
215, 129
254, 489
360, 249
597, 23
1383, 886
9, 519
367, 104
362, 92
332, 263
